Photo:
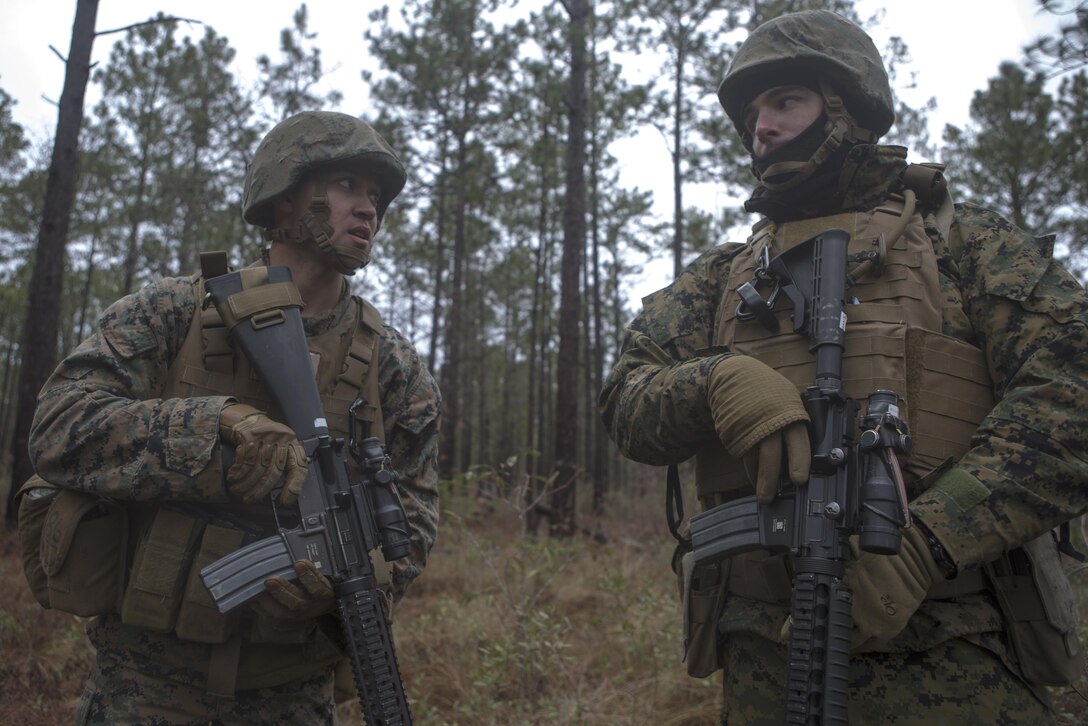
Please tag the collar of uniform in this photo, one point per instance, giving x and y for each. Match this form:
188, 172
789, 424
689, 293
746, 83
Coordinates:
325, 320
870, 175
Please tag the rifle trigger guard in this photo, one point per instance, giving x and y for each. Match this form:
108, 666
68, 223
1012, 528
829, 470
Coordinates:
754, 306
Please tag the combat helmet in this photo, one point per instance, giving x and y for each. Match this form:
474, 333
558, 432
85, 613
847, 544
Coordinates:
845, 62
305, 142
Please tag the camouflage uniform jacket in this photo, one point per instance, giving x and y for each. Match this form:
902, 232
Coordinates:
1027, 467
102, 426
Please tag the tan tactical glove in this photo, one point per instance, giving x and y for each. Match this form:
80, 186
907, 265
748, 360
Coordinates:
283, 600
264, 452
759, 416
889, 588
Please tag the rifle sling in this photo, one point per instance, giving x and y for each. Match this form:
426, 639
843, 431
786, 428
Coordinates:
223, 666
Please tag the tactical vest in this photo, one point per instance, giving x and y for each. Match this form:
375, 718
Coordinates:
894, 340
207, 365
897, 313
164, 592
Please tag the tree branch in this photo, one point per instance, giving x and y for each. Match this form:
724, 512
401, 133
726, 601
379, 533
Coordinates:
153, 21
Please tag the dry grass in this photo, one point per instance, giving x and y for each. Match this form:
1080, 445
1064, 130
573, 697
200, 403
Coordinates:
503, 628
45, 654
508, 628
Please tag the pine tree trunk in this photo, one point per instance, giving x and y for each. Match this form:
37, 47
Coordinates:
39, 346
574, 233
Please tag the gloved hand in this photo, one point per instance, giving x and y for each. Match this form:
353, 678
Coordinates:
889, 588
311, 596
264, 451
758, 415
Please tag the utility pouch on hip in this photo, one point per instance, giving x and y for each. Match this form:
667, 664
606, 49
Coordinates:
160, 570
198, 618
74, 546
702, 593
35, 498
1040, 608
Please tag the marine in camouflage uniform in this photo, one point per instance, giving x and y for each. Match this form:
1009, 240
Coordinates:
105, 425
1008, 461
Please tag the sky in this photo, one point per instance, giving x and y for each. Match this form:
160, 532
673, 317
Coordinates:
956, 46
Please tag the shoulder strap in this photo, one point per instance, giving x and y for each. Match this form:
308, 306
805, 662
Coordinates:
215, 348
213, 335
359, 371
370, 316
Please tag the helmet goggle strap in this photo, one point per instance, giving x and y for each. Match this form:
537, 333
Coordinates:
839, 126
314, 226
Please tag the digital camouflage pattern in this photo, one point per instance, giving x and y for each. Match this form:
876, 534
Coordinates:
313, 139
120, 694
101, 426
810, 41
958, 682
1027, 467
1026, 471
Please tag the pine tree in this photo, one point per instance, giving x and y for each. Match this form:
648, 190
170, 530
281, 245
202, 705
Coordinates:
1067, 50
1011, 155
692, 37
289, 85
445, 75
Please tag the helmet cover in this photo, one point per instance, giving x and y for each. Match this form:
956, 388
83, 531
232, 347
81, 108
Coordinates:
309, 141
799, 44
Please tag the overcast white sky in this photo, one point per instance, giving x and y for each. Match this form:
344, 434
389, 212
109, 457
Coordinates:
956, 46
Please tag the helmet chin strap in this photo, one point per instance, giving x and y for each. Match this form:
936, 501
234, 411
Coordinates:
314, 227
839, 127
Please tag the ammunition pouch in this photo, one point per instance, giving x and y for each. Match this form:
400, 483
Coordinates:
702, 596
164, 551
74, 548
1040, 609
198, 618
165, 593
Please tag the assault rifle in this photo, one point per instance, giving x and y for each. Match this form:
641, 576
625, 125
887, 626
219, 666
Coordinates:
855, 485
339, 521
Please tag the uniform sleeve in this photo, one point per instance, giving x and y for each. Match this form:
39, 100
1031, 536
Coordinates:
654, 401
1027, 468
101, 424
411, 404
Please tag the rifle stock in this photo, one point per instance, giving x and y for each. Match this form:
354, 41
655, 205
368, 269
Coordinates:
339, 522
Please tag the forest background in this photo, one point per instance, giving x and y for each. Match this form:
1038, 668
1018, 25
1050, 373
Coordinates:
509, 261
